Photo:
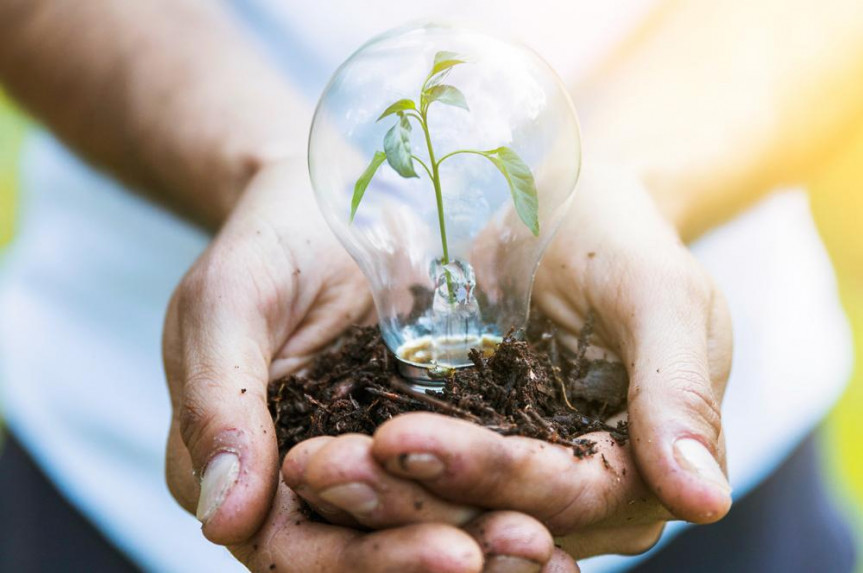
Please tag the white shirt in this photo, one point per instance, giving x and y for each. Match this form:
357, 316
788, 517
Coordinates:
85, 285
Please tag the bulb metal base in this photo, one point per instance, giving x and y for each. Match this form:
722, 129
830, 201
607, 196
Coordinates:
424, 373
425, 377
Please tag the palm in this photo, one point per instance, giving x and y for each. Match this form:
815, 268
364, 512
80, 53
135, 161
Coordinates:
341, 299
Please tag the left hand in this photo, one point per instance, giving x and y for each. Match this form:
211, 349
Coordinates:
660, 314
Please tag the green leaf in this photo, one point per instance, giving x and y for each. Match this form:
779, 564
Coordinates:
364, 180
444, 61
521, 185
449, 95
435, 80
397, 145
401, 105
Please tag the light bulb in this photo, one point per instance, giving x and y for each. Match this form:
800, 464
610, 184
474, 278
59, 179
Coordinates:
444, 160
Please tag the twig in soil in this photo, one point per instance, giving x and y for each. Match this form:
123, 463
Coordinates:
581, 350
557, 378
540, 420
431, 400
390, 396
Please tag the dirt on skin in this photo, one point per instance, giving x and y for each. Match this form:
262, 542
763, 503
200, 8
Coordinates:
533, 388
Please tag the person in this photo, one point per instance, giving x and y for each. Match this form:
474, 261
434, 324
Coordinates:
699, 111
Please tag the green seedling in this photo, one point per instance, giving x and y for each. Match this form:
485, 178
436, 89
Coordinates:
398, 154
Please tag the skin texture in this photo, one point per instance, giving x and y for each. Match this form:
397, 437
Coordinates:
157, 93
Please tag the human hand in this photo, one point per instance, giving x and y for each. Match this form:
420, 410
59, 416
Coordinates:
273, 288
661, 315
340, 480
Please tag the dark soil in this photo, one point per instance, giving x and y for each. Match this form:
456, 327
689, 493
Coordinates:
531, 388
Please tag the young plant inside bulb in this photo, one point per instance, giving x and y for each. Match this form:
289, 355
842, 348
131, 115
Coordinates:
447, 207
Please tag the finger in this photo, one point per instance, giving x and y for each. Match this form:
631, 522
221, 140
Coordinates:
342, 473
465, 463
512, 542
288, 543
633, 540
293, 474
678, 375
217, 367
179, 471
561, 562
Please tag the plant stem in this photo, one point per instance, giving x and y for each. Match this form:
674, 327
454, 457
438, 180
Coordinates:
439, 197
450, 154
424, 166
416, 115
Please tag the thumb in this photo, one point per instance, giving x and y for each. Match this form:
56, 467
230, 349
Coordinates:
679, 360
217, 368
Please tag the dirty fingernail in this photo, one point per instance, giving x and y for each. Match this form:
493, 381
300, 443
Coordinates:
351, 497
421, 466
509, 564
321, 507
219, 477
694, 457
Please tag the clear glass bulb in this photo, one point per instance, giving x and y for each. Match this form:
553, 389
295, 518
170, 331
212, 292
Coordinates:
448, 201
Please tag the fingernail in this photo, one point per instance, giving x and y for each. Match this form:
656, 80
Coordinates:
421, 466
219, 477
351, 497
321, 507
695, 458
509, 564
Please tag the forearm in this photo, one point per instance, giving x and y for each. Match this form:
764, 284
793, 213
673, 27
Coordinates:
716, 102
165, 94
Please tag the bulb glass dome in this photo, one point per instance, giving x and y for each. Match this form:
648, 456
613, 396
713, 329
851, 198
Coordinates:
444, 160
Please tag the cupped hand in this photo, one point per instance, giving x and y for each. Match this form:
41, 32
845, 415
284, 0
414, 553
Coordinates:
274, 288
660, 314
269, 291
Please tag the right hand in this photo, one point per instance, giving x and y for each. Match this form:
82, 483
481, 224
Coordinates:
274, 288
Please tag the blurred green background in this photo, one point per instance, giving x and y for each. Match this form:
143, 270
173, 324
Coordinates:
837, 201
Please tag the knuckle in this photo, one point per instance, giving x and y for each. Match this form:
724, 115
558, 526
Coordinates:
695, 396
686, 368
